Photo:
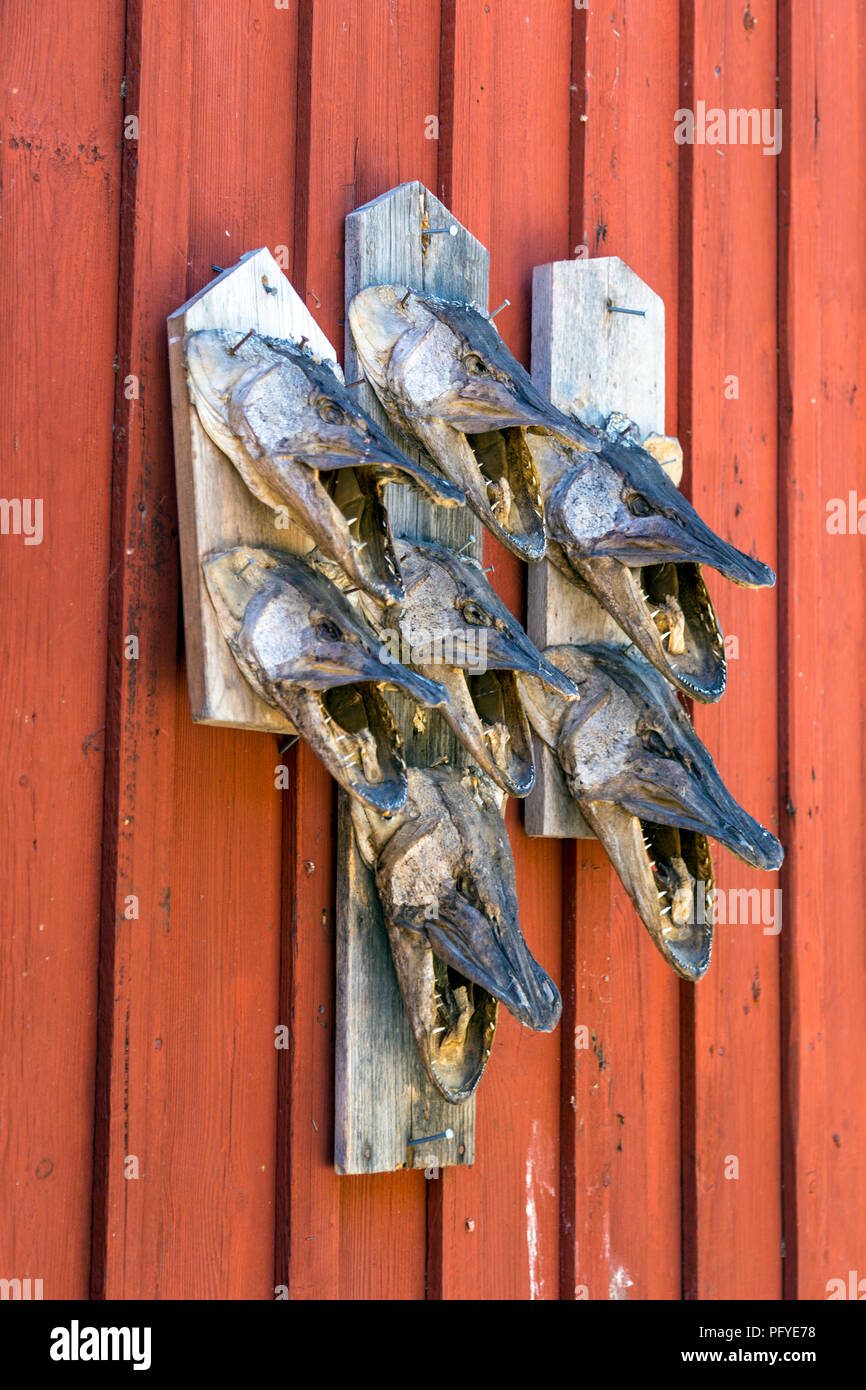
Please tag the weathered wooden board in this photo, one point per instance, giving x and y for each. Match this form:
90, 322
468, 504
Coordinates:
215, 508
365, 79
620, 1116
823, 308
58, 310
188, 991
504, 161
382, 1092
590, 361
729, 403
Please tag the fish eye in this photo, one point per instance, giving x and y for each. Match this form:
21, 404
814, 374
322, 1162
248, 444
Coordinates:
638, 505
327, 631
654, 743
475, 365
330, 412
475, 614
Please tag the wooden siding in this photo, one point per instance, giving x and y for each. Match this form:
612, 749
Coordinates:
146, 1043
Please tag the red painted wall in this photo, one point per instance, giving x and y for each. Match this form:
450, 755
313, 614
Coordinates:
600, 1173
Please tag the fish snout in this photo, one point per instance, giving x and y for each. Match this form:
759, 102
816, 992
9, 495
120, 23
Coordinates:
751, 842
419, 688
489, 948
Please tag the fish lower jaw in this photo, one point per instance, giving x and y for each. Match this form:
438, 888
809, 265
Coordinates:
461, 1038
678, 861
667, 644
527, 545
367, 761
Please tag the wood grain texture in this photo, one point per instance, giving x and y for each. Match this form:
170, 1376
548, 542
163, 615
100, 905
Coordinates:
261, 126
620, 1139
134, 965
822, 289
383, 1097
733, 1214
215, 508
370, 71
504, 171
60, 180
186, 73
589, 362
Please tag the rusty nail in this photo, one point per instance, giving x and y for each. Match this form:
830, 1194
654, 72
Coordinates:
233, 350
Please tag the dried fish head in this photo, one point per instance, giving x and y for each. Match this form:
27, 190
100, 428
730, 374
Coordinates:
619, 526
445, 877
298, 439
455, 629
305, 650
444, 375
649, 789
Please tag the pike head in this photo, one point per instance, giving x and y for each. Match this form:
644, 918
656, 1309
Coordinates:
305, 650
445, 877
444, 375
621, 528
299, 441
454, 629
650, 791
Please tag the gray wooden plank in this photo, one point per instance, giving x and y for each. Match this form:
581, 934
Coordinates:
590, 362
383, 1096
215, 509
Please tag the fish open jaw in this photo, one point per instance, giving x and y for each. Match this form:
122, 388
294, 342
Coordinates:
496, 699
462, 1036
358, 498
512, 487
680, 861
357, 738
679, 605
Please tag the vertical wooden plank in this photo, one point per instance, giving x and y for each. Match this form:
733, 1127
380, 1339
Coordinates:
133, 967
732, 1198
367, 80
620, 1095
60, 174
216, 510
621, 1129
591, 363
504, 172
822, 294
189, 989
383, 1096
620, 1142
